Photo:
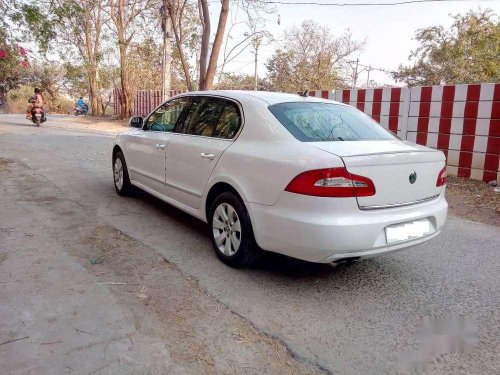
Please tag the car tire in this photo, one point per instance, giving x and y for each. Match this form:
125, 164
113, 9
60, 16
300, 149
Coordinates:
120, 175
228, 220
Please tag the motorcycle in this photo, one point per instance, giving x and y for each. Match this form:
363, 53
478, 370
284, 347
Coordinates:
38, 116
81, 111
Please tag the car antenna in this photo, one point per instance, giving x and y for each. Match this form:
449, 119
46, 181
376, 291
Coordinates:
305, 93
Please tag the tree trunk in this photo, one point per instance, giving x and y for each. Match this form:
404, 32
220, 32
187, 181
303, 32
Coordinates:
219, 36
127, 99
94, 91
205, 41
176, 26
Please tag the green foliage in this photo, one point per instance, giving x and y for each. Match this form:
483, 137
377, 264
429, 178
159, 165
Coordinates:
11, 70
468, 52
38, 25
75, 80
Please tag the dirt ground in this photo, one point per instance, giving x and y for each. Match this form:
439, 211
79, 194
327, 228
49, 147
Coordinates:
473, 200
186, 329
105, 124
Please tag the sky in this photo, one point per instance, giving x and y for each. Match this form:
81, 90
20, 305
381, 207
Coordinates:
389, 30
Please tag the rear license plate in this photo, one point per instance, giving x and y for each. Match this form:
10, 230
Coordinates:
408, 231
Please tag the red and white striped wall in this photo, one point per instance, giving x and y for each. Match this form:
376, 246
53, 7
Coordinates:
464, 122
461, 120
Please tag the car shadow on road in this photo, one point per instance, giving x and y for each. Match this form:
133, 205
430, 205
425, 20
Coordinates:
268, 263
172, 212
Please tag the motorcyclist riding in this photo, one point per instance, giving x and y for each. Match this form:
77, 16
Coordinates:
81, 107
80, 102
36, 101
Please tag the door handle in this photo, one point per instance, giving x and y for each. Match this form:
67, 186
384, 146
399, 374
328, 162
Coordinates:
207, 156
160, 147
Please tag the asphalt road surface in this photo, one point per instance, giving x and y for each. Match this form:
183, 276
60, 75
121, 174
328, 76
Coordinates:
363, 318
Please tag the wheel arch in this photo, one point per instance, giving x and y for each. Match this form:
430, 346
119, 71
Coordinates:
215, 190
117, 149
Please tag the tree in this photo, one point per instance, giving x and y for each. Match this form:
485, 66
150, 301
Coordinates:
209, 51
208, 66
125, 15
468, 52
11, 64
234, 81
312, 59
48, 76
145, 64
80, 25
186, 29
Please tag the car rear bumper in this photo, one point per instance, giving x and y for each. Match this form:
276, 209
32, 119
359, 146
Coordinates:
324, 230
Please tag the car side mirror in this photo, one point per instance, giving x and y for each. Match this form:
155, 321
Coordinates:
136, 122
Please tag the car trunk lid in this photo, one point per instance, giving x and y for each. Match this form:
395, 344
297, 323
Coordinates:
403, 173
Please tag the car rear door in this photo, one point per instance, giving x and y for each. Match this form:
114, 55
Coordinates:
146, 152
209, 127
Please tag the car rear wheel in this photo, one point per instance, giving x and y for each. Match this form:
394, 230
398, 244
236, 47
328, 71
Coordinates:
231, 231
120, 175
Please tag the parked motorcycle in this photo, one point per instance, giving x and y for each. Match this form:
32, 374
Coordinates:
81, 111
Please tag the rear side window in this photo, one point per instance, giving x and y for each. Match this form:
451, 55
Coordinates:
212, 117
203, 116
325, 122
229, 122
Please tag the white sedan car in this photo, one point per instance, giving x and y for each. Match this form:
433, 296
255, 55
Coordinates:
305, 177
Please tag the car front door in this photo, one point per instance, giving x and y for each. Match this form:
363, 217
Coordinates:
208, 128
147, 151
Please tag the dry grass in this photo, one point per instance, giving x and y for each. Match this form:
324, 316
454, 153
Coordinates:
473, 200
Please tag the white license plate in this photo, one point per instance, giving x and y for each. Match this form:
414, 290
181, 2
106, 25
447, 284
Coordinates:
408, 231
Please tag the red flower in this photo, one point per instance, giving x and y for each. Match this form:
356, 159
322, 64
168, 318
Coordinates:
3, 54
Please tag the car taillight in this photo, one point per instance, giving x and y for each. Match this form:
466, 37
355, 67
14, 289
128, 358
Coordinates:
331, 182
442, 177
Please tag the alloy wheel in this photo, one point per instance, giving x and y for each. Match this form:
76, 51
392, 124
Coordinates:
118, 173
226, 228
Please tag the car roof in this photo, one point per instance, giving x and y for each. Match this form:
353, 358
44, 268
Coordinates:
266, 96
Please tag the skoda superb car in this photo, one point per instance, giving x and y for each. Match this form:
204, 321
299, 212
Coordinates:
306, 177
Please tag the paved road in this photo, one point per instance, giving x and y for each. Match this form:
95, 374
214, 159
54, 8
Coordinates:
354, 319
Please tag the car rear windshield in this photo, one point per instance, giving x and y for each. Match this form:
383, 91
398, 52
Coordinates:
324, 122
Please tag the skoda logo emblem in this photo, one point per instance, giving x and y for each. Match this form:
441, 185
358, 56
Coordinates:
413, 177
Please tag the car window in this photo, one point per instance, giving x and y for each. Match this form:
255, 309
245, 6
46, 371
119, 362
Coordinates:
229, 122
319, 122
166, 116
203, 116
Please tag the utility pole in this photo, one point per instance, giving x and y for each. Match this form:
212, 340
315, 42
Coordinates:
256, 41
166, 66
368, 76
355, 78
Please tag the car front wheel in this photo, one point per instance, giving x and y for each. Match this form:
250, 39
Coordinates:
120, 175
231, 231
